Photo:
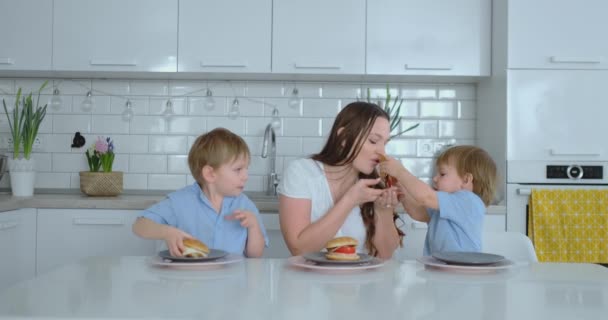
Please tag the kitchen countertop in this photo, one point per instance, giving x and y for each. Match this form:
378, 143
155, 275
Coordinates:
251, 289
73, 200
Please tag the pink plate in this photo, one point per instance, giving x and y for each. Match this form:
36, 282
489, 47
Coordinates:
299, 261
432, 263
213, 264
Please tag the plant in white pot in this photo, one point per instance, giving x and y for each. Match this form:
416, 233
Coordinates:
24, 121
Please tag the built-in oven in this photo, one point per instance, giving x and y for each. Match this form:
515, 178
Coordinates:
524, 176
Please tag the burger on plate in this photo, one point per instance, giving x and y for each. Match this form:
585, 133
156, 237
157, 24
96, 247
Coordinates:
195, 249
342, 248
386, 181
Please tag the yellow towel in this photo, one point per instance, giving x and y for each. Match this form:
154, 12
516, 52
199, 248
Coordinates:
569, 225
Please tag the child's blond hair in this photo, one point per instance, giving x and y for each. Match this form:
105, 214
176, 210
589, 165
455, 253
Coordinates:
215, 148
477, 162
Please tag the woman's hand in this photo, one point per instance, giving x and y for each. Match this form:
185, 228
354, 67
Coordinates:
175, 240
363, 191
388, 199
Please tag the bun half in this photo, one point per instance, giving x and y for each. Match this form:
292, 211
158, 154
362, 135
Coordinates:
195, 249
341, 241
342, 256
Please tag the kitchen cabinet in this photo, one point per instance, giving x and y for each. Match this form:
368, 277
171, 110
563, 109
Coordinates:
557, 34
67, 235
224, 36
17, 246
318, 37
277, 247
556, 115
26, 35
115, 35
428, 37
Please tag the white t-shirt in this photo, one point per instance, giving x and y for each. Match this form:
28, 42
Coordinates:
305, 179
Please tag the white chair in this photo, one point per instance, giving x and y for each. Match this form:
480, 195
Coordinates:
513, 245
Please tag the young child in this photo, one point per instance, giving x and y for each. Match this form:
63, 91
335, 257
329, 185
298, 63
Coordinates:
213, 209
455, 206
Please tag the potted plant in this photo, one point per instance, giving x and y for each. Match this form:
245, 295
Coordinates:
105, 182
393, 108
24, 121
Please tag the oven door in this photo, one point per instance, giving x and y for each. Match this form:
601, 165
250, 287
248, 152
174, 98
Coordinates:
518, 196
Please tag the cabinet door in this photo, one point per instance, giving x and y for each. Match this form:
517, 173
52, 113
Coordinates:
428, 37
224, 36
67, 235
316, 36
17, 246
25, 40
115, 35
558, 34
555, 115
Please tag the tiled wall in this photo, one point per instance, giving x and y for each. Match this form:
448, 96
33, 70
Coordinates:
152, 151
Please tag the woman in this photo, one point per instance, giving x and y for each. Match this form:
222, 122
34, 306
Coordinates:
333, 193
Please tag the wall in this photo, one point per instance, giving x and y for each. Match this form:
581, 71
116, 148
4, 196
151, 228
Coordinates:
152, 151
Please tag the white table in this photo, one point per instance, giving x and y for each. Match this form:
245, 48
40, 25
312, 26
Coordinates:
127, 287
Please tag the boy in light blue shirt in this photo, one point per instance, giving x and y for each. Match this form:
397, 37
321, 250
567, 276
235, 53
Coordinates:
455, 206
213, 209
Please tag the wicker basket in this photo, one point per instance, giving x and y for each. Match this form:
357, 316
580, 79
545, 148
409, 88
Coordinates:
101, 183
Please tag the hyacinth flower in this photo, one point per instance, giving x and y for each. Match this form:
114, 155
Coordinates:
101, 155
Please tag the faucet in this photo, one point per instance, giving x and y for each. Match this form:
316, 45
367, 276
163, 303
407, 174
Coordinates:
273, 178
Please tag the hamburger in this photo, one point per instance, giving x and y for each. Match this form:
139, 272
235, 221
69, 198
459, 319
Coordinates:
386, 181
194, 249
342, 248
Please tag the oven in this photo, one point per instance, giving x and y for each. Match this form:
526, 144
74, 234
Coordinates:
523, 176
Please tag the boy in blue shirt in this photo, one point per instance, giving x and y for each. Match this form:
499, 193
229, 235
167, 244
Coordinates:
214, 209
455, 206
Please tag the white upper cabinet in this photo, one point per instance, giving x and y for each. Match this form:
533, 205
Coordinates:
558, 34
26, 34
428, 37
557, 115
224, 36
318, 36
115, 35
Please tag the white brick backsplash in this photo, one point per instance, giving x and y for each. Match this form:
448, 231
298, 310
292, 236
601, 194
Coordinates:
166, 181
178, 164
32, 85
148, 163
437, 109
321, 107
109, 124
462, 129
153, 152
70, 123
170, 145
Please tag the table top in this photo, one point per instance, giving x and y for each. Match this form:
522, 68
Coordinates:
131, 287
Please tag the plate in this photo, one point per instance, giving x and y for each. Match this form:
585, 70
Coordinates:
319, 257
213, 255
300, 261
467, 258
432, 263
227, 259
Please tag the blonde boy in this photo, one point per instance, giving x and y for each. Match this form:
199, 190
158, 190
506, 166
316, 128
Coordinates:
214, 209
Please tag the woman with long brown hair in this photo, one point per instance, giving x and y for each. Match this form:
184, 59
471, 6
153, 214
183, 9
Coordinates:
334, 192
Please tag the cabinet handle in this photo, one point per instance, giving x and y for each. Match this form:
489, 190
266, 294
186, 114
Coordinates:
556, 152
558, 59
102, 62
8, 61
524, 192
8, 225
98, 221
223, 65
316, 66
414, 67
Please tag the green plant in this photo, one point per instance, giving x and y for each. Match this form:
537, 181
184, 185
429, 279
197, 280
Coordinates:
393, 108
25, 122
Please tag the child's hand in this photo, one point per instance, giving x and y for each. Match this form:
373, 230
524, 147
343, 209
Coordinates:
247, 218
391, 166
362, 191
175, 240
388, 199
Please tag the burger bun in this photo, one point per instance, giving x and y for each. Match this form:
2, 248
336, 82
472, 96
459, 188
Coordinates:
194, 248
340, 242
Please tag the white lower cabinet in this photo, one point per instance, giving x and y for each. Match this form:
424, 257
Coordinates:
17, 246
67, 235
277, 247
